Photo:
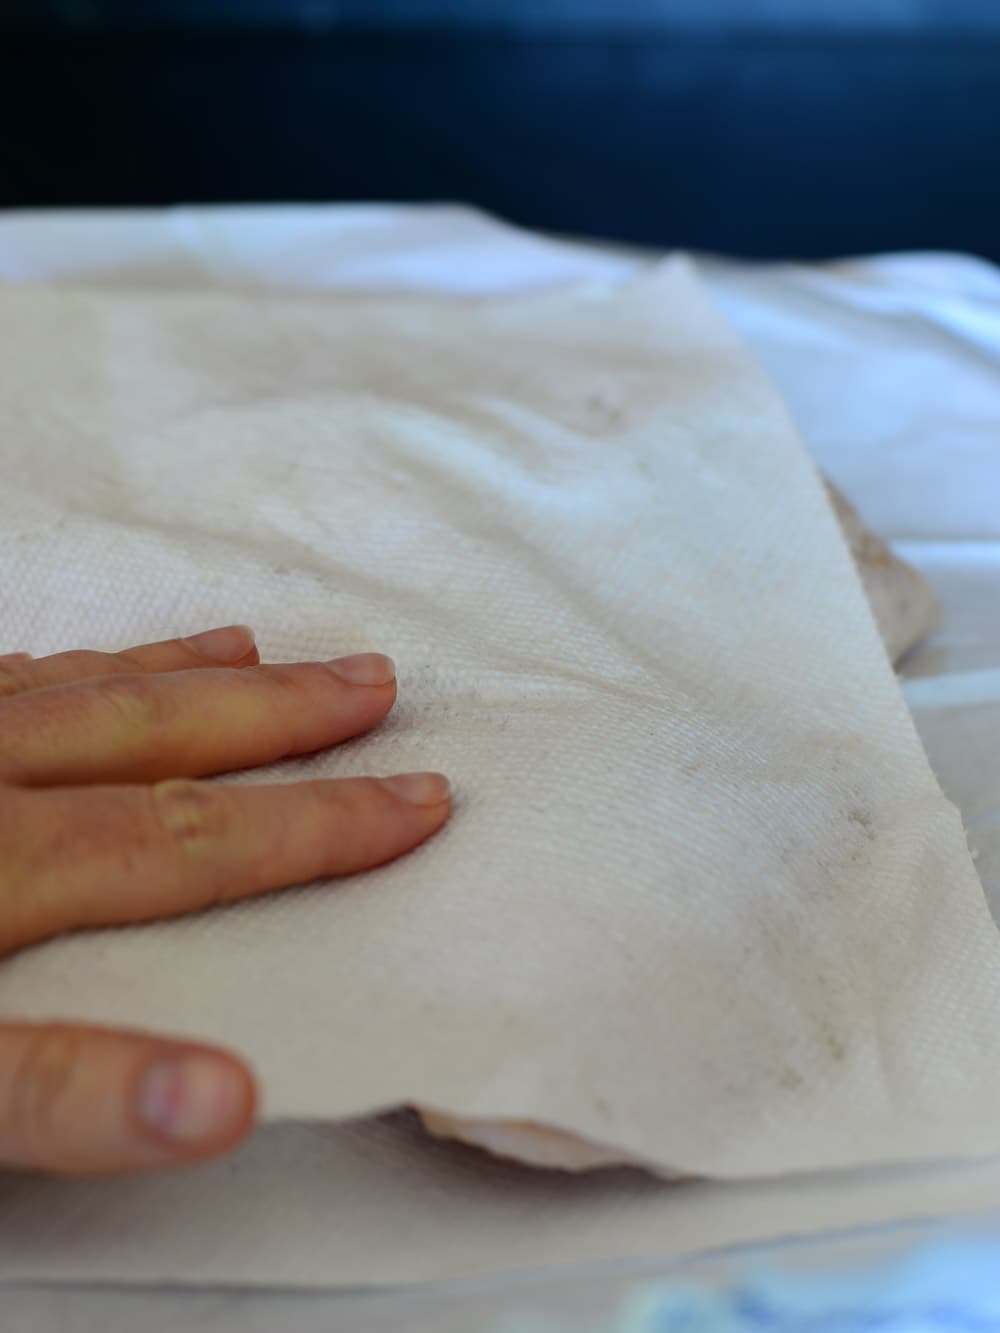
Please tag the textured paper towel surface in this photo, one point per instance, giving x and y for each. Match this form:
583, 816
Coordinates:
701, 897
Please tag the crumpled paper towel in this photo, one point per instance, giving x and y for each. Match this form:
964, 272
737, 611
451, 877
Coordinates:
701, 899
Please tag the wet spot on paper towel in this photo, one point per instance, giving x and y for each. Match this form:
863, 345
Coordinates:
861, 819
835, 1044
791, 1080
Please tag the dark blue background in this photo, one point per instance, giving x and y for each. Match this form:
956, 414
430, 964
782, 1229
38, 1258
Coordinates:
760, 127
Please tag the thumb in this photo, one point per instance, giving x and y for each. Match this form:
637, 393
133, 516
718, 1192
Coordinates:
88, 1101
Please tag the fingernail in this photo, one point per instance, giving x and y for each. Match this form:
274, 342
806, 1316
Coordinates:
420, 788
193, 1098
224, 645
364, 669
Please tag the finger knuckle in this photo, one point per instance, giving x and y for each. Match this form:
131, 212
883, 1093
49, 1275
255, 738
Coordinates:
281, 678
19, 871
86, 662
11, 682
126, 659
357, 814
42, 1083
373, 819
138, 710
191, 816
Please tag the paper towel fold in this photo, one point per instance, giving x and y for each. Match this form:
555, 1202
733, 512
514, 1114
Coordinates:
702, 898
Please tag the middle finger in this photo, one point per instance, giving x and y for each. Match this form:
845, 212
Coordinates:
190, 724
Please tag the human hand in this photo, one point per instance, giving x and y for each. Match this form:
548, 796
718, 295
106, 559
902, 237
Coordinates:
102, 823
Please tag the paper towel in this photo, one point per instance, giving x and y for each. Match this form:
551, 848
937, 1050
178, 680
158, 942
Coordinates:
629, 630
374, 1203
